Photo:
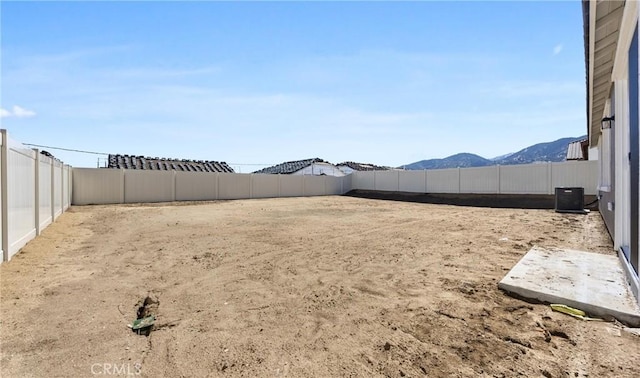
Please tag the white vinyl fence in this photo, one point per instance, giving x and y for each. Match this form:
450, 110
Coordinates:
106, 186
540, 178
34, 192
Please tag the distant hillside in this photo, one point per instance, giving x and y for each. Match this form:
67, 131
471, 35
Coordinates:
542, 152
458, 160
551, 151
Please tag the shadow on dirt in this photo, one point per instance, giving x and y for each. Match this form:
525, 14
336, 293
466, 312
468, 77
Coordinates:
511, 201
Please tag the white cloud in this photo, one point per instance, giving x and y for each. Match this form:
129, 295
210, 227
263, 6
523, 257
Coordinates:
22, 112
558, 49
18, 112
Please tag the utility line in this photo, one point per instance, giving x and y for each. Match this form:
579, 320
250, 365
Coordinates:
250, 164
65, 149
102, 153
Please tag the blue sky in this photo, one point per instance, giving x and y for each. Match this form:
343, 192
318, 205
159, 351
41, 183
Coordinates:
388, 83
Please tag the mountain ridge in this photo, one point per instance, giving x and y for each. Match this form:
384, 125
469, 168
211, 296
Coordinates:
554, 151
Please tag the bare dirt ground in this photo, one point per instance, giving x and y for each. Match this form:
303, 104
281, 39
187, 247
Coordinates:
325, 286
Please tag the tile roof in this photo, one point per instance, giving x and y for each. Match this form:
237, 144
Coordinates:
163, 164
47, 154
363, 166
290, 166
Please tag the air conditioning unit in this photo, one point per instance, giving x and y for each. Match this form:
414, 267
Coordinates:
570, 200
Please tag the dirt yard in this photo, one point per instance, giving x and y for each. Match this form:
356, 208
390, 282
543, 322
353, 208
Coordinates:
325, 286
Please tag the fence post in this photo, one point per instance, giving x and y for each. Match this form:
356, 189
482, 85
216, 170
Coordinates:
61, 187
375, 187
304, 189
217, 186
251, 186
37, 202
53, 191
498, 174
324, 184
459, 180
398, 173
550, 178
69, 185
279, 185
5, 199
122, 193
175, 183
425, 181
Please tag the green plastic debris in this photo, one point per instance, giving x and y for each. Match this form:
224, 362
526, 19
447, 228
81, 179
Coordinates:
572, 312
140, 325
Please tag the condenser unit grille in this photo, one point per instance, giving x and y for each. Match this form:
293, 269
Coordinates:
570, 200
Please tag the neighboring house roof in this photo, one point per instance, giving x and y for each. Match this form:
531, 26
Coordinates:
47, 154
578, 150
162, 164
363, 166
602, 20
290, 166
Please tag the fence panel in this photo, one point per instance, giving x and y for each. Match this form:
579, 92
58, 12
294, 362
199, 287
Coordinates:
347, 183
413, 181
387, 181
234, 185
525, 179
148, 186
28, 196
364, 180
45, 210
196, 186
21, 196
65, 186
479, 180
3, 178
57, 189
265, 186
291, 186
576, 174
443, 180
92, 186
314, 185
333, 185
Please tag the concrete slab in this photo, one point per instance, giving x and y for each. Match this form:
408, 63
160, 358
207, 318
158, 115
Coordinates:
587, 281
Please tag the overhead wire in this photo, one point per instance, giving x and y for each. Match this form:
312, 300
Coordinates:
104, 153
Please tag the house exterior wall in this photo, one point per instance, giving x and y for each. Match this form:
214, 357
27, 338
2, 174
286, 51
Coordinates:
606, 198
619, 199
317, 169
345, 169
